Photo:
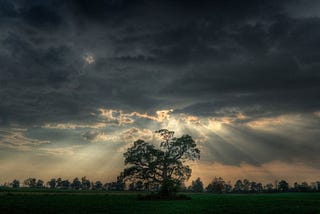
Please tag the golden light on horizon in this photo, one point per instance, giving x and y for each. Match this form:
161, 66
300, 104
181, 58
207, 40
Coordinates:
116, 130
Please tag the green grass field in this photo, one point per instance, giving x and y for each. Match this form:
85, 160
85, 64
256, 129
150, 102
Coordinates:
122, 202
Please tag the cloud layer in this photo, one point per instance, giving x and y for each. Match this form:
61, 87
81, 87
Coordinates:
240, 76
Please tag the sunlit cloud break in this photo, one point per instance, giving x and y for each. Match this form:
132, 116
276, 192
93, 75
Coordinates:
89, 58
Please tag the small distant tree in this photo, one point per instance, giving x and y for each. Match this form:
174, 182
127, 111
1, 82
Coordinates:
283, 186
296, 187
238, 186
217, 185
30, 182
269, 187
255, 187
85, 183
52, 183
317, 186
6, 184
197, 185
119, 184
40, 183
15, 183
59, 183
76, 183
246, 185
97, 185
228, 187
303, 187
65, 184
107, 186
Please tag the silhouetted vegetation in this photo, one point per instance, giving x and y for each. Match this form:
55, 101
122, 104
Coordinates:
162, 168
15, 183
217, 185
196, 186
283, 186
162, 171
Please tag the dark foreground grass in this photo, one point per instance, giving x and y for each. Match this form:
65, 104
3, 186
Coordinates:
95, 202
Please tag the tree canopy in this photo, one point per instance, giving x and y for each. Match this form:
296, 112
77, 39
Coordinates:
163, 166
196, 186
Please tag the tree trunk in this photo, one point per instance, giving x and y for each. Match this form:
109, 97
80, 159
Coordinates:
166, 186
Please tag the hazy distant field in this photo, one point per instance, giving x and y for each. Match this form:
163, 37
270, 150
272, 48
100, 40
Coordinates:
119, 202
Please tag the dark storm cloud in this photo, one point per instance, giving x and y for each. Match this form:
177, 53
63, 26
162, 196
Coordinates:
7, 9
205, 58
40, 16
148, 54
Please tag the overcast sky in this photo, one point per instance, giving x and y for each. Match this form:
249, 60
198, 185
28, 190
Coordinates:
81, 80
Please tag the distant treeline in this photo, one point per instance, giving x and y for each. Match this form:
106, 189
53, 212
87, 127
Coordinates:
217, 185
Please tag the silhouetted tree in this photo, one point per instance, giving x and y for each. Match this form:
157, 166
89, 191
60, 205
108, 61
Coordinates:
119, 184
107, 186
97, 185
269, 187
52, 183
317, 185
217, 185
59, 183
228, 187
283, 186
65, 184
40, 183
76, 183
314, 186
165, 165
255, 187
238, 186
85, 183
30, 182
296, 187
15, 183
246, 185
196, 186
303, 187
